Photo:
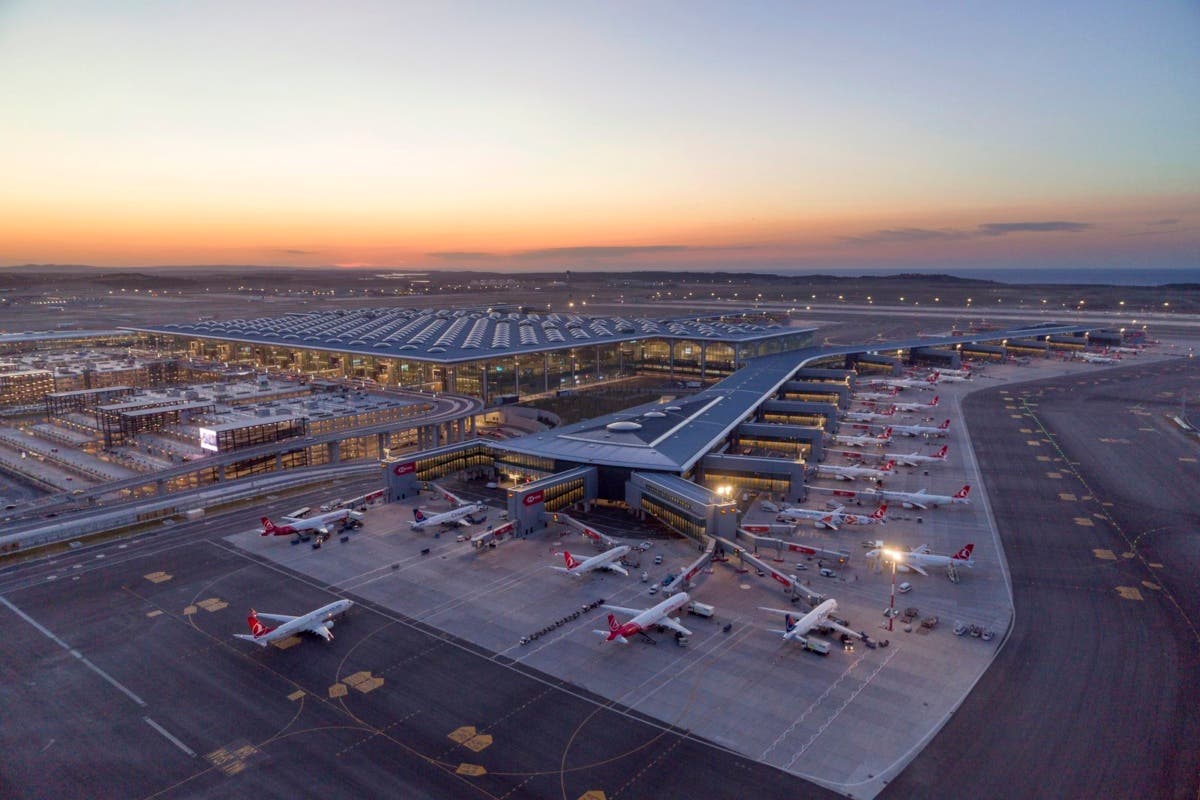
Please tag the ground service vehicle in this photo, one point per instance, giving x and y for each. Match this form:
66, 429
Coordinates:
700, 609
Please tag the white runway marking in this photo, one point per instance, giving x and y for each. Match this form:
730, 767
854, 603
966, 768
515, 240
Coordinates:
170, 738
42, 629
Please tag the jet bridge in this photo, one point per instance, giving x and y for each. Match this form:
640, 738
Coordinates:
757, 537
684, 581
601, 539
791, 586
491, 536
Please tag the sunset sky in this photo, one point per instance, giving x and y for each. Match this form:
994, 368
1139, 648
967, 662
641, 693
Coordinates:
508, 136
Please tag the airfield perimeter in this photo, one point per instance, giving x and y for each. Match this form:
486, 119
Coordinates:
1091, 696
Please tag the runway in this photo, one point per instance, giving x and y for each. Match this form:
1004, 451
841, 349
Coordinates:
1095, 693
121, 679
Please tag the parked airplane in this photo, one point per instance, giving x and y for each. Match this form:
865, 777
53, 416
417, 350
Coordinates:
862, 441
1096, 358
318, 622
605, 561
645, 618
917, 406
922, 499
875, 395
854, 473
1130, 350
914, 458
868, 416
965, 372
919, 558
903, 383
455, 516
922, 430
795, 629
949, 377
321, 524
833, 520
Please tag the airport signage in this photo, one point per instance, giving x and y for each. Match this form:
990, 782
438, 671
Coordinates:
405, 469
799, 548
756, 528
208, 439
781, 579
533, 498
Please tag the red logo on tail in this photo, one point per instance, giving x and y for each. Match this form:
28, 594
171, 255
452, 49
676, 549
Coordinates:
256, 627
965, 553
934, 401
945, 425
879, 512
963, 492
268, 526
942, 453
571, 562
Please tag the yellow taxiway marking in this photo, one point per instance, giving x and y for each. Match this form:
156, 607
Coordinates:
469, 738
1066, 496
1154, 565
1149, 430
1151, 585
1043, 458
154, 613
1107, 505
473, 770
1129, 592
1026, 430
363, 681
1187, 459
356, 678
1054, 475
296, 695
213, 604
594, 794
231, 761
284, 644
1127, 555
1084, 522
1015, 416
190, 610
1107, 555
158, 577
1033, 443
338, 690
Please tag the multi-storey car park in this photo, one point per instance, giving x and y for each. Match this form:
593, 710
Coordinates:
487, 353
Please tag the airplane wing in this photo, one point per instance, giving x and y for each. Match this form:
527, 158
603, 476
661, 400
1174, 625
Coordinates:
614, 567
785, 612
260, 642
828, 522
674, 625
633, 612
321, 630
292, 519
463, 522
280, 618
828, 623
917, 568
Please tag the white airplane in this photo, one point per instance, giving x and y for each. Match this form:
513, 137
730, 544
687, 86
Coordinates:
922, 499
833, 520
949, 377
1096, 358
645, 618
875, 395
1130, 350
917, 406
868, 415
904, 383
318, 622
862, 441
605, 561
320, 524
922, 430
819, 617
919, 558
460, 512
854, 473
914, 458
965, 372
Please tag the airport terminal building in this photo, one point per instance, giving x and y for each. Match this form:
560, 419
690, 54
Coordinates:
492, 354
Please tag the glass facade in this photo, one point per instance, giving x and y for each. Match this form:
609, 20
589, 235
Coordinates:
673, 518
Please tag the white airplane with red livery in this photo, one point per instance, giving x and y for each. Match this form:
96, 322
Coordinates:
854, 473
864, 440
645, 618
919, 557
318, 622
832, 520
321, 524
909, 407
921, 499
914, 458
868, 416
1097, 358
875, 395
922, 430
461, 513
796, 628
949, 376
904, 383
605, 561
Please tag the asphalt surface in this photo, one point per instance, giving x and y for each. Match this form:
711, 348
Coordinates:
1095, 693
120, 678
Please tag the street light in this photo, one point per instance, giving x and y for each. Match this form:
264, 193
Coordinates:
893, 556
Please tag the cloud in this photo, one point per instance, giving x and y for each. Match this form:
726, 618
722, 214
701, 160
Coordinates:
990, 229
1005, 228
604, 252
1168, 221
894, 235
291, 252
461, 255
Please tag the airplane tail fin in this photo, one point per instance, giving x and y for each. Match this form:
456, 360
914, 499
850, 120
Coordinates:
614, 630
570, 560
962, 493
879, 512
257, 629
417, 515
933, 376
887, 433
942, 453
944, 426
965, 553
789, 622
934, 401
888, 466
268, 526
